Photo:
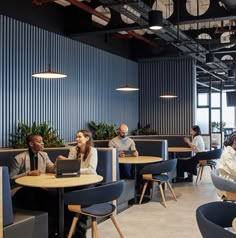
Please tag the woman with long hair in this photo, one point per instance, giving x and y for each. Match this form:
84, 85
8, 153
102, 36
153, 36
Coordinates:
190, 165
84, 151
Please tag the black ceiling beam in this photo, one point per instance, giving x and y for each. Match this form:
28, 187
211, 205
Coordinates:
214, 13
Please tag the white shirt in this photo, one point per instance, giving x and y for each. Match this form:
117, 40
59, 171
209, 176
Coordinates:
227, 163
199, 145
88, 166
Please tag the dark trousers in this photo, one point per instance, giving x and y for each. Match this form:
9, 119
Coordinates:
189, 166
126, 171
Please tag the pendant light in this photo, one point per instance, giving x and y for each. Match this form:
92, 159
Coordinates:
168, 96
155, 20
127, 87
49, 74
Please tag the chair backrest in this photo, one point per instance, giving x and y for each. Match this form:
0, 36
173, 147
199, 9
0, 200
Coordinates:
6, 196
95, 195
208, 155
108, 164
213, 217
221, 183
160, 167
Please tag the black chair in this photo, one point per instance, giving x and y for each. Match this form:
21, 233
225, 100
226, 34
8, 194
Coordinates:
213, 217
207, 159
95, 203
228, 186
158, 173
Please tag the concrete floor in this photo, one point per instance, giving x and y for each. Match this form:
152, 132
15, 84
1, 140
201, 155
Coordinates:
152, 220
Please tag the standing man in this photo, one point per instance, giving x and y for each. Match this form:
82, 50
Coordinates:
123, 143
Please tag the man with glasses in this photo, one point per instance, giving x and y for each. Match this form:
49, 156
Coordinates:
123, 144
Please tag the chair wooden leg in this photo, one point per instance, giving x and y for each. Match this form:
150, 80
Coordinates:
162, 194
171, 190
198, 174
144, 189
94, 228
152, 188
72, 228
116, 225
201, 172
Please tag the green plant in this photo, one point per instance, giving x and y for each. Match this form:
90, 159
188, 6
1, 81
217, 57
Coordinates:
50, 137
102, 130
146, 130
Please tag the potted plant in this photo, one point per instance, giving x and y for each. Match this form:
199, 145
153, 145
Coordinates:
50, 136
102, 130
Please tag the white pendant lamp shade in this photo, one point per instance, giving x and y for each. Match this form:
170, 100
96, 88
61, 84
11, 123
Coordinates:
168, 96
49, 75
127, 88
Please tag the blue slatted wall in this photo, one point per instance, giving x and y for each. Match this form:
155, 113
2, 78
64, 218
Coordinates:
88, 93
167, 116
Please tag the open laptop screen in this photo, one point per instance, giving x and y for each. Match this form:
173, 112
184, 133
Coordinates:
68, 168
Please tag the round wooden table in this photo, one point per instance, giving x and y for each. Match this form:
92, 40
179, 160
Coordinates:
50, 181
179, 149
138, 160
174, 150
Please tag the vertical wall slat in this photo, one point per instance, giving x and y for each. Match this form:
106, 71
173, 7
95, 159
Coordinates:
167, 116
88, 93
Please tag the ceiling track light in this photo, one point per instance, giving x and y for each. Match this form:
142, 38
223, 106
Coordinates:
231, 74
210, 58
155, 20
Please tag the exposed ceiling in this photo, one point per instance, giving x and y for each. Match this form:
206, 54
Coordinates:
191, 27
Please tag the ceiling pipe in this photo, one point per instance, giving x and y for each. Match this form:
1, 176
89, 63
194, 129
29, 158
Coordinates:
41, 2
103, 17
99, 15
207, 71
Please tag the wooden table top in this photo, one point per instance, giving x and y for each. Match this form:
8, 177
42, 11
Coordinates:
179, 149
50, 181
139, 159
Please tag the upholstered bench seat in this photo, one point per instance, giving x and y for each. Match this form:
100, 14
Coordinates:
27, 224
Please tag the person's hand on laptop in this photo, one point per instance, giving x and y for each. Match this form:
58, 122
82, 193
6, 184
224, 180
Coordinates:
121, 154
60, 157
135, 153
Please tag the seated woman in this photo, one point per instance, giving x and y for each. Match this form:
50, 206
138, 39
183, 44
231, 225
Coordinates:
190, 165
85, 151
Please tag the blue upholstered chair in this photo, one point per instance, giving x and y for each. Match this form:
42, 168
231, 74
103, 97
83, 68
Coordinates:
224, 185
95, 203
7, 202
158, 172
213, 217
207, 159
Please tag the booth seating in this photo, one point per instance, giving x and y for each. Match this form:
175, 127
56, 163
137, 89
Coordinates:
172, 141
19, 223
107, 167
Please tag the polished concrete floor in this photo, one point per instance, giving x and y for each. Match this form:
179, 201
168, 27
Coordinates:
152, 220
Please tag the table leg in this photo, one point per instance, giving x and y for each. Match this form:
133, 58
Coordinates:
60, 192
135, 179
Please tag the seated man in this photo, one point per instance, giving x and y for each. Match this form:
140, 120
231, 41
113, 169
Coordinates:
123, 143
33, 162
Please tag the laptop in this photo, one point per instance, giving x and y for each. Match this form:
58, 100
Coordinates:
68, 168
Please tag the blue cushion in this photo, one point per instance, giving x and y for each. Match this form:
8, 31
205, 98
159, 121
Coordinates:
7, 202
